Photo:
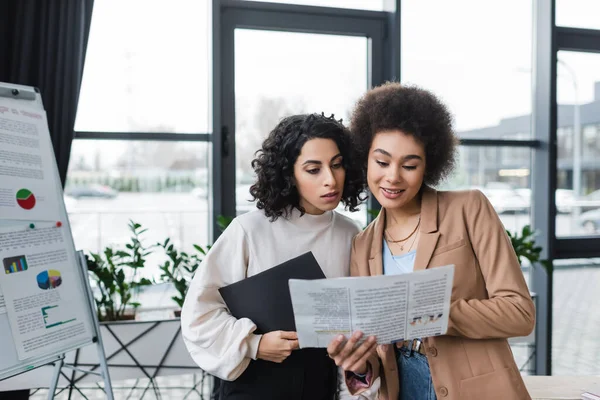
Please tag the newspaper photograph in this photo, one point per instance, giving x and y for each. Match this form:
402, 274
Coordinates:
391, 307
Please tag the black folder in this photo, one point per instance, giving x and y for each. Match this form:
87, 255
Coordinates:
265, 297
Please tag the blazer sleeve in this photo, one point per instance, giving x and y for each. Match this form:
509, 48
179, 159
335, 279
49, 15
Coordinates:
219, 343
509, 310
354, 387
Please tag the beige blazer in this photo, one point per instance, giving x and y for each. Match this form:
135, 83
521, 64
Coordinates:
490, 299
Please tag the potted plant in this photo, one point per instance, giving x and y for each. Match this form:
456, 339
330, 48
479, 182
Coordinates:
179, 269
526, 249
116, 274
180, 266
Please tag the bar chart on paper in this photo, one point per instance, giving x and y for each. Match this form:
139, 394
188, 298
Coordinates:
14, 264
54, 316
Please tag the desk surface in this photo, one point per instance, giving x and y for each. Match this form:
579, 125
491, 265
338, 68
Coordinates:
561, 387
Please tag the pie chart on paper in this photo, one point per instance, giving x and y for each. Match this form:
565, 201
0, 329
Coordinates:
25, 199
49, 279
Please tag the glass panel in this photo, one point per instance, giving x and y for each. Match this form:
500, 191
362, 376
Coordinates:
264, 92
578, 13
149, 76
575, 321
164, 186
503, 175
374, 5
479, 65
578, 133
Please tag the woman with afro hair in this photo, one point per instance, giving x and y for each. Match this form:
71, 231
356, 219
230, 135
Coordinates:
407, 146
303, 170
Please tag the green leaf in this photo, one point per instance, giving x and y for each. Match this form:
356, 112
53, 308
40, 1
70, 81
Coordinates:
145, 281
373, 213
223, 221
526, 249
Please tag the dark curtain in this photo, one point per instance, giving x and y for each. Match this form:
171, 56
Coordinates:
44, 43
7, 14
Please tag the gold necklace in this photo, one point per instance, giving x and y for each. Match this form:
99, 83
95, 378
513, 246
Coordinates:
391, 239
412, 244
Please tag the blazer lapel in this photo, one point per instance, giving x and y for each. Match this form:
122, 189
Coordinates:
375, 257
429, 228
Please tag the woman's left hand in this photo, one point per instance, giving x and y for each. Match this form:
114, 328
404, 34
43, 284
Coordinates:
351, 356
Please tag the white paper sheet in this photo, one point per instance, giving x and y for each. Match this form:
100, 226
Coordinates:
392, 307
27, 179
40, 287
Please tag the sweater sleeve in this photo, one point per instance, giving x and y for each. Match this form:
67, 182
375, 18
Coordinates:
509, 310
219, 343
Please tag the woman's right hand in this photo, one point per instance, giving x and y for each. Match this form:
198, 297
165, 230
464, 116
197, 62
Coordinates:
349, 354
276, 346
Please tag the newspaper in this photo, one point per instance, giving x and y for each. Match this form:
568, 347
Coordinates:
391, 307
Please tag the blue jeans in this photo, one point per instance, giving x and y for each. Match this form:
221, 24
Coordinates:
414, 376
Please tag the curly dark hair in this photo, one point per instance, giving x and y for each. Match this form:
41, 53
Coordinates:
274, 188
414, 111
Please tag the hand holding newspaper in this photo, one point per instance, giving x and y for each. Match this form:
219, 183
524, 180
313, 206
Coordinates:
391, 307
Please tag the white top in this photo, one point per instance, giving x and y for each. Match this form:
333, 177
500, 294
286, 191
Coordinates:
218, 342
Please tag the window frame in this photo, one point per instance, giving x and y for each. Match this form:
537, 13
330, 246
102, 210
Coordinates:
547, 40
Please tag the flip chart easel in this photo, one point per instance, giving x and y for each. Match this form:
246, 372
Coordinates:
17, 101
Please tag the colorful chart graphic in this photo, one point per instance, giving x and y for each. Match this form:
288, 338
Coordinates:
49, 279
25, 199
15, 264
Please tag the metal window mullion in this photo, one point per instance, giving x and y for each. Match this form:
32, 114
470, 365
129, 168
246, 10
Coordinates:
576, 39
500, 143
265, 7
544, 173
146, 136
384, 65
302, 23
577, 247
224, 199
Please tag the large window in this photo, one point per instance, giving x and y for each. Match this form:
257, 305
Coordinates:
279, 60
147, 93
147, 82
575, 315
578, 133
147, 71
164, 186
477, 63
506, 186
264, 92
578, 13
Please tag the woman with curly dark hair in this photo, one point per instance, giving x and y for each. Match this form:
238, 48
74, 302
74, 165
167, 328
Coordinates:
303, 170
407, 146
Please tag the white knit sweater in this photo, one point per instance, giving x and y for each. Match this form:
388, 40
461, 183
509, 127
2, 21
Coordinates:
221, 344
